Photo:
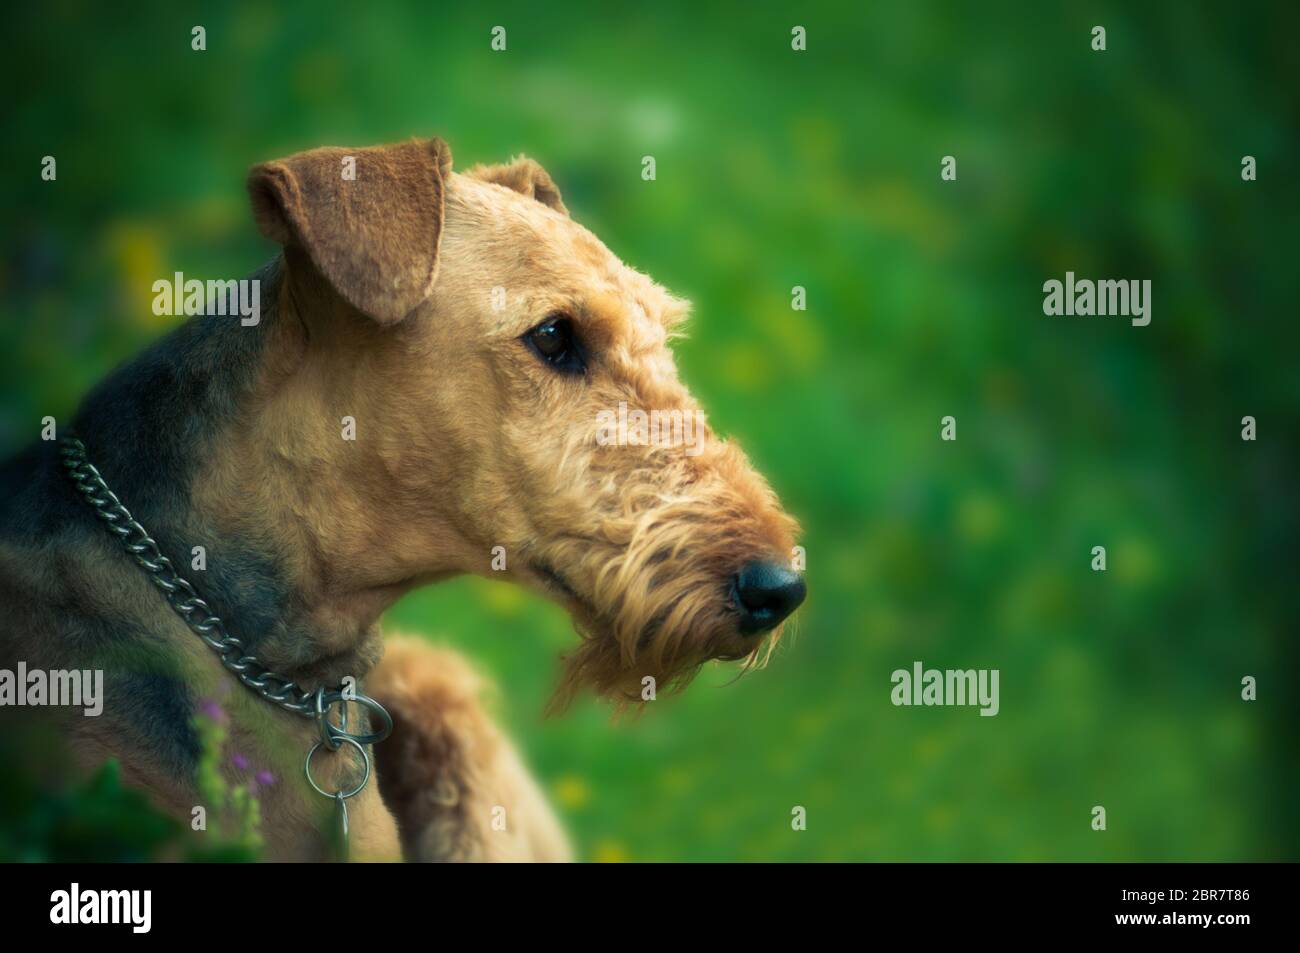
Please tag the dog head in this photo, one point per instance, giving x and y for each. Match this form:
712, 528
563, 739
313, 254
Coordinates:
529, 419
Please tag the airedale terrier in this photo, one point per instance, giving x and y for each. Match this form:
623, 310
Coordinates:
420, 396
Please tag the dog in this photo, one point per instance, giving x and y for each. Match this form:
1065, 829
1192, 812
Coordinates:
417, 400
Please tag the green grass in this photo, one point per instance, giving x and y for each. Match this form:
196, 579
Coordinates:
818, 169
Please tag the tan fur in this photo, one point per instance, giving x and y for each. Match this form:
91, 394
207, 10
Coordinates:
526, 177
465, 441
447, 773
328, 202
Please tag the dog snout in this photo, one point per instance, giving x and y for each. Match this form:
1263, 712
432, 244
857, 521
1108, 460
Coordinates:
765, 594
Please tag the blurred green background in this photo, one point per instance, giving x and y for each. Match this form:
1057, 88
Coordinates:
818, 169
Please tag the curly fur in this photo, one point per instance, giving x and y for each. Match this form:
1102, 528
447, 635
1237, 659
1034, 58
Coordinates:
388, 310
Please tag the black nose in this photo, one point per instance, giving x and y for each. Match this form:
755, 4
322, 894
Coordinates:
765, 594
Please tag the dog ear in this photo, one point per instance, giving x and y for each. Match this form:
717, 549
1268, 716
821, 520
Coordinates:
370, 220
526, 177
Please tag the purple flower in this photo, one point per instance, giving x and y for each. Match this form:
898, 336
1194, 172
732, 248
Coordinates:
212, 710
239, 761
265, 778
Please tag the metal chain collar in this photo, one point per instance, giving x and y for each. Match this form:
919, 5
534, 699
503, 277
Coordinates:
196, 614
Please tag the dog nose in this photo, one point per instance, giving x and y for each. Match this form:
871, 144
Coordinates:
765, 594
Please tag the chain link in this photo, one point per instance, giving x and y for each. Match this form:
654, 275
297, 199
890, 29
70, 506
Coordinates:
182, 597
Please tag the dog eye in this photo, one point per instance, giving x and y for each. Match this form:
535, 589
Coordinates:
555, 343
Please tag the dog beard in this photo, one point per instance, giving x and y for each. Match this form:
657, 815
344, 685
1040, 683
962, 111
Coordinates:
648, 575
655, 615
601, 664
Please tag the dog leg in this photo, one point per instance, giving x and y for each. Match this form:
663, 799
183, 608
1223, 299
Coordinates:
454, 782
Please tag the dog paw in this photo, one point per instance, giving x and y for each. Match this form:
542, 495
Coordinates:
454, 782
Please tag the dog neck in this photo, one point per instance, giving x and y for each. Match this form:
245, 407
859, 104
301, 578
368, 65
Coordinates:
252, 443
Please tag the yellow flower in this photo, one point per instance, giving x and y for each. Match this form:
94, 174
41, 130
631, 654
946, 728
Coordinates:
136, 250
572, 792
609, 852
